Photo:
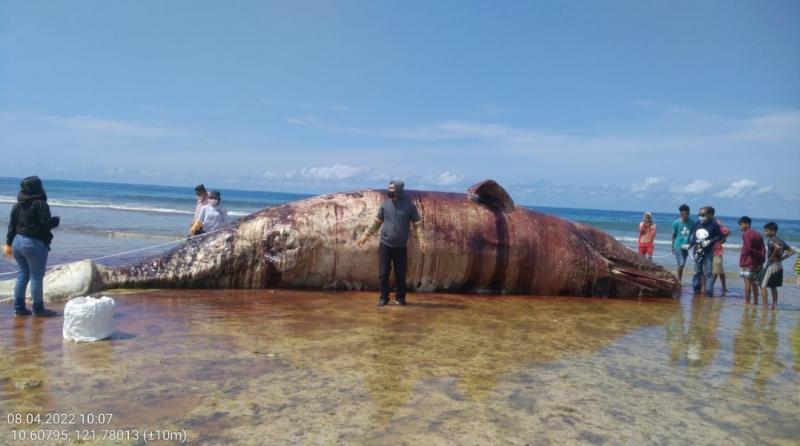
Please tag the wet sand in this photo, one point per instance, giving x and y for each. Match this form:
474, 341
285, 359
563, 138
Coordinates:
287, 367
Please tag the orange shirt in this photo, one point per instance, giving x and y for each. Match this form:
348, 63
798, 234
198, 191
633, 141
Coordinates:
718, 249
647, 236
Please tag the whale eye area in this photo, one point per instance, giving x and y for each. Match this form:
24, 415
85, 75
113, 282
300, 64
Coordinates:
281, 247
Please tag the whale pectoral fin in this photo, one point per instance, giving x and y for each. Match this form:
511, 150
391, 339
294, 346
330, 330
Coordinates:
491, 194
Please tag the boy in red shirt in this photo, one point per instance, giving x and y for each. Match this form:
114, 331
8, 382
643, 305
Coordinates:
751, 259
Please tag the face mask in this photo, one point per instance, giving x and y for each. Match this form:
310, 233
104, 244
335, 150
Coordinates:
391, 194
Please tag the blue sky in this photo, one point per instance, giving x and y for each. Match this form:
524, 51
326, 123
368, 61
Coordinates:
620, 105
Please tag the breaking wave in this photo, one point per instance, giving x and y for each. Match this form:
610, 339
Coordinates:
626, 239
119, 207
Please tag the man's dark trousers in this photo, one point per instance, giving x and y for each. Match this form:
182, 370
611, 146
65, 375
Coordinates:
393, 257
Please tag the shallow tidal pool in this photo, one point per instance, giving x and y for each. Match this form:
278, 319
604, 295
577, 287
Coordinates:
226, 367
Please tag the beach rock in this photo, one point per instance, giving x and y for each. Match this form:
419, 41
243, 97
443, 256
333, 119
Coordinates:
28, 384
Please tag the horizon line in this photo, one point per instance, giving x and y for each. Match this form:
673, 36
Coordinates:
309, 195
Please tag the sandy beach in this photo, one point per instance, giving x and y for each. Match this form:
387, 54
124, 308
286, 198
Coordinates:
287, 367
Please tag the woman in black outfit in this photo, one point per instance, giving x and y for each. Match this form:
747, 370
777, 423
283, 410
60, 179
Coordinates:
28, 240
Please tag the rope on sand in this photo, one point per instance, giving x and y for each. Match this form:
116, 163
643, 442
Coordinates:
132, 251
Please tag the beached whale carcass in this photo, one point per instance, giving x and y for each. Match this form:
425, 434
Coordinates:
477, 242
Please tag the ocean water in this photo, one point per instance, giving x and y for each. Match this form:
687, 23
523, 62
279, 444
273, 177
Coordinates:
101, 219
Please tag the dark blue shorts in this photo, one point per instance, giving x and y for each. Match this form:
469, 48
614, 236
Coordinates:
680, 256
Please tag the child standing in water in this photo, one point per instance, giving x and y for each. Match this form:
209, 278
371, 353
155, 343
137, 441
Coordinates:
647, 235
681, 230
751, 258
717, 268
777, 251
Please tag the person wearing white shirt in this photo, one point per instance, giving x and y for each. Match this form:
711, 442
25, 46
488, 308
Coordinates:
202, 200
211, 217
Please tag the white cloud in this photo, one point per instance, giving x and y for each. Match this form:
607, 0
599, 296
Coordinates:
304, 120
334, 108
149, 173
737, 188
765, 189
647, 184
676, 110
694, 130
96, 124
156, 110
449, 179
491, 110
324, 107
695, 187
441, 131
677, 142
467, 129
336, 172
776, 126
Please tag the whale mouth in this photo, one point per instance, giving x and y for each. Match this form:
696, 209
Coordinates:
643, 280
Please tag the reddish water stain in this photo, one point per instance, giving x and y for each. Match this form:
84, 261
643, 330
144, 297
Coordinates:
301, 366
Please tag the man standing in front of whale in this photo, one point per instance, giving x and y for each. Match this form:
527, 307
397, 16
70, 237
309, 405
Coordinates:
706, 233
396, 214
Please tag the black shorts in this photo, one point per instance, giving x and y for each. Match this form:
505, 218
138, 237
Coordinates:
771, 277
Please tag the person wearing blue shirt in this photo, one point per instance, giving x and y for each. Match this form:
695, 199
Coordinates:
681, 230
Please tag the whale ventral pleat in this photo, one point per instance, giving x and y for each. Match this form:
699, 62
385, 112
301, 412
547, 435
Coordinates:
491, 194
